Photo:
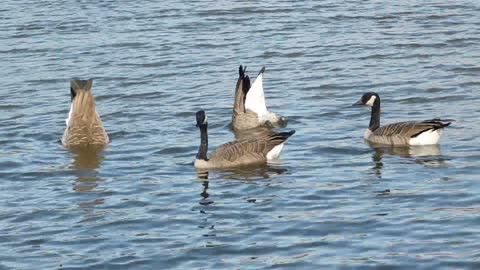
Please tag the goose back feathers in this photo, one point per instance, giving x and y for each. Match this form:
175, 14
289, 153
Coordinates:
84, 126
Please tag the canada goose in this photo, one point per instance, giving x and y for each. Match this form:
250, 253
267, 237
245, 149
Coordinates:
249, 109
84, 127
426, 132
239, 152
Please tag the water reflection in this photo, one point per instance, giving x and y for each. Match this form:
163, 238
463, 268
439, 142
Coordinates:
248, 173
85, 163
427, 155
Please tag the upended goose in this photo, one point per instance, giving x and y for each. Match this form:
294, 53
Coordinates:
239, 152
249, 108
84, 127
426, 132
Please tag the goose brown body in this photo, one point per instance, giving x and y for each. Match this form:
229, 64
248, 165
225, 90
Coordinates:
84, 126
402, 133
426, 132
240, 152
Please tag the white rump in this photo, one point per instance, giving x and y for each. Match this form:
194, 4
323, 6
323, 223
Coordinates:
255, 100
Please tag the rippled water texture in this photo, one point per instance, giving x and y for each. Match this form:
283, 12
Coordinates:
332, 201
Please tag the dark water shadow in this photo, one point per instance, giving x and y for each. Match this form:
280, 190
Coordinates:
427, 155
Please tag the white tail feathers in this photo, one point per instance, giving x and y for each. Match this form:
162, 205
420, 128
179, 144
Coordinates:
255, 99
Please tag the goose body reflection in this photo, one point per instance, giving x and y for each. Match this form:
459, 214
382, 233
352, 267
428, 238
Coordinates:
427, 155
408, 151
85, 163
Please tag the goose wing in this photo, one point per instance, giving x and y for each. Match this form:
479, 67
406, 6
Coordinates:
411, 129
255, 99
253, 149
238, 104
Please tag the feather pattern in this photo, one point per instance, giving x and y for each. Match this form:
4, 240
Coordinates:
410, 129
255, 150
404, 133
84, 126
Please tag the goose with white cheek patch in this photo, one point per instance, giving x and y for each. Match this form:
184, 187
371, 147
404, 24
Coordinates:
249, 108
84, 126
254, 151
426, 132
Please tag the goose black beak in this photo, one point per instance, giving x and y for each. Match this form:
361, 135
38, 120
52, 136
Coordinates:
358, 103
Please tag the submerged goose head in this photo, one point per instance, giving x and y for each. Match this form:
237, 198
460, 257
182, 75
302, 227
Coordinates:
368, 99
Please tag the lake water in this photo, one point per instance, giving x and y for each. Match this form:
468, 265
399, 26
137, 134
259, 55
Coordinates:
331, 201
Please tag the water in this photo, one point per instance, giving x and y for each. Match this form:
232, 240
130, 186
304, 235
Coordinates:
330, 202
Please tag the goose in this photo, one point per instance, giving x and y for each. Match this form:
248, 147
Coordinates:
426, 132
84, 126
237, 153
249, 109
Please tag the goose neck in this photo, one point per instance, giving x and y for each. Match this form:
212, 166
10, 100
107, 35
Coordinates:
202, 150
375, 116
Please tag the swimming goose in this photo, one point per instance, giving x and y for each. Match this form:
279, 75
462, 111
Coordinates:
239, 152
84, 127
426, 132
249, 109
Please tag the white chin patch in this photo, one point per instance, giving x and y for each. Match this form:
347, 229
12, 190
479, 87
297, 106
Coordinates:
371, 101
69, 115
205, 120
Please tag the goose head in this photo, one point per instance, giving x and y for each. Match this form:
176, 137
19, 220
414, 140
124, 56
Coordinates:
202, 119
368, 99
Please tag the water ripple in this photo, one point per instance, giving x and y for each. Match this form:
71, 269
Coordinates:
332, 201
